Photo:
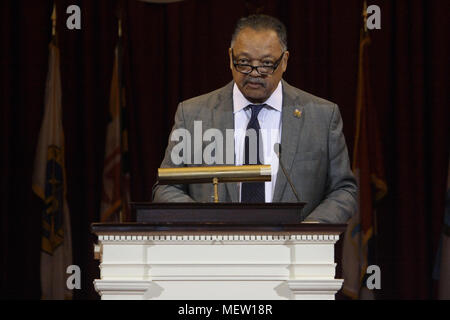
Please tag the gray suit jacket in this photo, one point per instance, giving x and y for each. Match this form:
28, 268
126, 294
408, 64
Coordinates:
314, 153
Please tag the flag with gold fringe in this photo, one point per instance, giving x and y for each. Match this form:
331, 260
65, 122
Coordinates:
368, 168
115, 194
49, 184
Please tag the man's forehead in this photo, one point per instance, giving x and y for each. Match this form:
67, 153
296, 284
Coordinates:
248, 54
257, 39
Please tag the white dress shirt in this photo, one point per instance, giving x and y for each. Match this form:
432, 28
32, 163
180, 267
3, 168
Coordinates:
269, 120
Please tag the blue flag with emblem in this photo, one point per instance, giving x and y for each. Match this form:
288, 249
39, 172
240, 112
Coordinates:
49, 184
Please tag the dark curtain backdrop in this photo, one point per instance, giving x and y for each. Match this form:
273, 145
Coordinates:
177, 51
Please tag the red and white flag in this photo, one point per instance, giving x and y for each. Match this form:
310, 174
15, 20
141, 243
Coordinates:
369, 172
115, 194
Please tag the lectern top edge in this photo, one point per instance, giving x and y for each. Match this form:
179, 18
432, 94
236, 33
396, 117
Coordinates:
192, 228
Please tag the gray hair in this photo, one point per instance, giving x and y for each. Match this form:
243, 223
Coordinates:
261, 22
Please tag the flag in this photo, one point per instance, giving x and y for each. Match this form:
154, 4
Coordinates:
115, 194
369, 172
49, 184
441, 270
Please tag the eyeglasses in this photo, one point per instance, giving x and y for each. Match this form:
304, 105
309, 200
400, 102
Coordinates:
262, 70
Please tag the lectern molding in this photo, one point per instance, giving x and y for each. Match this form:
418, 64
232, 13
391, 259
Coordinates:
217, 261
122, 289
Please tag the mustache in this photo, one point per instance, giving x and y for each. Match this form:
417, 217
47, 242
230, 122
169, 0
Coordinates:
255, 80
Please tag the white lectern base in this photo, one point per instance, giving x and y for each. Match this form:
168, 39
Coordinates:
220, 266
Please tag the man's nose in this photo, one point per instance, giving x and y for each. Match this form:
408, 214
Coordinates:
254, 73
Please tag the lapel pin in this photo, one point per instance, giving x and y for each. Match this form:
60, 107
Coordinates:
297, 113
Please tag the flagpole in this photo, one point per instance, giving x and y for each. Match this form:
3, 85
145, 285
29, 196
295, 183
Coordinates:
115, 195
123, 213
364, 14
49, 183
119, 70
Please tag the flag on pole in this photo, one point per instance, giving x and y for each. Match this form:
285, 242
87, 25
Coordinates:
115, 194
369, 172
49, 184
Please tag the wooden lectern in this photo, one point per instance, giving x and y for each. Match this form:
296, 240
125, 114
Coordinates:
217, 251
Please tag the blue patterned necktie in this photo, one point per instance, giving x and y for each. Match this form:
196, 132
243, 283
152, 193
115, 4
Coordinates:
253, 191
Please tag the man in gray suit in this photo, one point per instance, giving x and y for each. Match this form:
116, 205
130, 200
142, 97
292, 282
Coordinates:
309, 129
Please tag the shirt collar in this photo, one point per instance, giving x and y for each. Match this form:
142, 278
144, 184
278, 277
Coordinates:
240, 102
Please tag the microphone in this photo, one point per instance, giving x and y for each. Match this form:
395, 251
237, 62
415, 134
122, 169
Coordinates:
277, 149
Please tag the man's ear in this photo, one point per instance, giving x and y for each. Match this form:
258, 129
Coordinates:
285, 60
230, 55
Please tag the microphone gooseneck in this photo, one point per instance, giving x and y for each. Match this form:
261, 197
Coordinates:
277, 149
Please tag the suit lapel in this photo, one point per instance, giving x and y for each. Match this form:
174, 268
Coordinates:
292, 120
223, 118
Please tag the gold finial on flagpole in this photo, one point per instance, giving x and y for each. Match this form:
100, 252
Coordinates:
54, 20
119, 15
364, 14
